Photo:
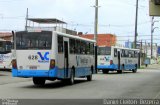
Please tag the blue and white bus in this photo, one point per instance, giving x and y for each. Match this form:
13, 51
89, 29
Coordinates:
5, 54
117, 59
51, 55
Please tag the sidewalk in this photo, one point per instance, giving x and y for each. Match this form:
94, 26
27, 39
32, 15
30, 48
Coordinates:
152, 66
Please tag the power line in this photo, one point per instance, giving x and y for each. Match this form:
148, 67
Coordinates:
133, 36
110, 25
8, 1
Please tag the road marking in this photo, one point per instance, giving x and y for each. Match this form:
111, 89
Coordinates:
157, 95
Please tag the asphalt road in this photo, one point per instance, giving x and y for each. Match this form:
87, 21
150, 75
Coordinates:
145, 84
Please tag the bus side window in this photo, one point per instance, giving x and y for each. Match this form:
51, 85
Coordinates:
126, 53
135, 54
115, 52
132, 54
82, 47
87, 48
122, 53
60, 44
91, 48
77, 46
72, 46
129, 54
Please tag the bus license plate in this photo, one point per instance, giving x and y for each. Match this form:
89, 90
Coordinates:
33, 67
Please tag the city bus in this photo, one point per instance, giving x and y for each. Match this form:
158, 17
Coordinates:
50, 55
5, 54
117, 59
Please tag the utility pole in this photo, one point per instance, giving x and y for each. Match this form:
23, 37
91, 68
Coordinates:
152, 30
136, 19
96, 31
26, 20
146, 48
152, 24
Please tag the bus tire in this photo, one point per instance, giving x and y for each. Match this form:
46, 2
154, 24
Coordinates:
89, 77
39, 81
119, 71
105, 71
71, 79
92, 71
135, 70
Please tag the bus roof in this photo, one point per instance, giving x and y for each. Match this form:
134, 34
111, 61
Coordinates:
47, 20
118, 47
75, 37
66, 35
124, 48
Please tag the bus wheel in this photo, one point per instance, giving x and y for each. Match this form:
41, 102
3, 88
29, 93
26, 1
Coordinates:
71, 79
105, 71
119, 71
135, 70
38, 81
89, 77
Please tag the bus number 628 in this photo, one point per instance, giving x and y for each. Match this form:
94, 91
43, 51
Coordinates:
32, 57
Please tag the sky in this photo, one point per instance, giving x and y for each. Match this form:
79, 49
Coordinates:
115, 16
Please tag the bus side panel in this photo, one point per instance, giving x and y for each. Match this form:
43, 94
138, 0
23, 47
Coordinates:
5, 61
82, 64
83, 71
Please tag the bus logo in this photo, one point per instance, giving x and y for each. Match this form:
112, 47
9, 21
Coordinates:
44, 58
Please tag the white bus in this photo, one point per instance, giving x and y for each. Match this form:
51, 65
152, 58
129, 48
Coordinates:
5, 54
117, 59
51, 55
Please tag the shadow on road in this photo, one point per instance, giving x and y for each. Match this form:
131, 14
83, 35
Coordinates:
3, 75
7, 70
55, 84
115, 73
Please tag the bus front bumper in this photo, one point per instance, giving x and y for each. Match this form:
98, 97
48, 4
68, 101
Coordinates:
109, 67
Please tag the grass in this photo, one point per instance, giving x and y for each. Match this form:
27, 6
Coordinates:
142, 67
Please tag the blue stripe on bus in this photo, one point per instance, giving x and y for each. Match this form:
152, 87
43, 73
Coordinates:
54, 73
115, 67
106, 66
83, 71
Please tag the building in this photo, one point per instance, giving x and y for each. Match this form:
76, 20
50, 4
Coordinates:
48, 24
6, 36
158, 51
102, 39
146, 49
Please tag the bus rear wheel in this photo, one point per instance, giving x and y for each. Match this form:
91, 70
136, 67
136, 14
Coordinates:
119, 71
105, 71
39, 81
71, 79
135, 70
89, 77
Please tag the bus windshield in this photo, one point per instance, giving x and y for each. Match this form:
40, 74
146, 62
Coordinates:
104, 50
33, 40
5, 47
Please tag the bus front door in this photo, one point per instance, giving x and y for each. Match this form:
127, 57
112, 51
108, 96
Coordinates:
66, 60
